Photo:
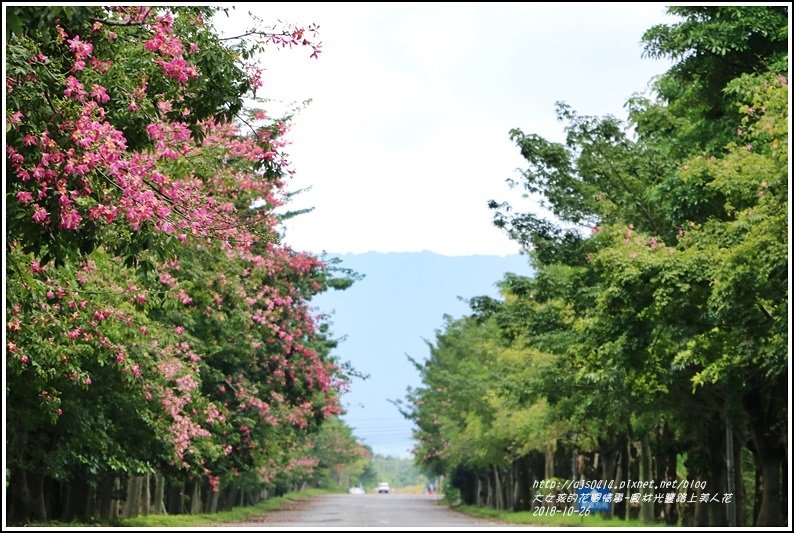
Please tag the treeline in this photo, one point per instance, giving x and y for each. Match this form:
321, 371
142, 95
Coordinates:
397, 471
161, 351
651, 344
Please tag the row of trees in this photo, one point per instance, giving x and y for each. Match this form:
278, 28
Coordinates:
651, 343
161, 351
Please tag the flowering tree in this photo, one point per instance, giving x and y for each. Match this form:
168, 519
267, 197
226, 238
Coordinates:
156, 322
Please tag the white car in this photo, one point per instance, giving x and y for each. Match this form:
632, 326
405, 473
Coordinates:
355, 490
383, 488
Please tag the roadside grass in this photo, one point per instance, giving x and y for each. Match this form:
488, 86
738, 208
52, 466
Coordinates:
410, 489
238, 514
526, 518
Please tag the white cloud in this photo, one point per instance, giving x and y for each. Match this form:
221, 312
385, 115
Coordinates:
407, 136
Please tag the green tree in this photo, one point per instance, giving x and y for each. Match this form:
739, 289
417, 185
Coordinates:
683, 270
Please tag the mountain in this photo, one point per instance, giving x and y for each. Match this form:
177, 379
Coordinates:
386, 316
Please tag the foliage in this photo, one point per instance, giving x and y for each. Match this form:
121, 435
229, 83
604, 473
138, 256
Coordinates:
661, 283
398, 472
156, 322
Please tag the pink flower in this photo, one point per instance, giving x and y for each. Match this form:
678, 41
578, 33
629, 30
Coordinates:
50, 295
143, 330
164, 106
40, 214
99, 94
62, 35
178, 69
179, 330
74, 89
88, 381
60, 411
120, 357
193, 48
132, 107
15, 117
99, 65
24, 197
112, 36
81, 49
24, 359
183, 297
70, 219
73, 334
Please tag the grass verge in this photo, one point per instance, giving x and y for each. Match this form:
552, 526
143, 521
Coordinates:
238, 514
526, 518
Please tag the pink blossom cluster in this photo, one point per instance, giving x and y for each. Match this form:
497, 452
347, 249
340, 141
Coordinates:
170, 47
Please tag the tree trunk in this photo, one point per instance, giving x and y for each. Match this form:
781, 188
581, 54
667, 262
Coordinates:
146, 493
38, 508
115, 504
619, 508
607, 459
66, 502
213, 503
764, 406
89, 509
523, 500
195, 499
132, 504
498, 494
18, 494
158, 503
548, 471
769, 513
759, 490
717, 473
646, 507
105, 496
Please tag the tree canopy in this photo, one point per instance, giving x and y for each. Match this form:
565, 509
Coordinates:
660, 287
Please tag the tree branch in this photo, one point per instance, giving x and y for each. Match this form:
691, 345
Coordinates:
255, 32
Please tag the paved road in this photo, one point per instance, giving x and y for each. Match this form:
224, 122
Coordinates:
368, 510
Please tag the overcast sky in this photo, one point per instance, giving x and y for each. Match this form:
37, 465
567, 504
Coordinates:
406, 138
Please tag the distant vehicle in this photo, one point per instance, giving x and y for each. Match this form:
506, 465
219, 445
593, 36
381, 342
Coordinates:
355, 490
383, 488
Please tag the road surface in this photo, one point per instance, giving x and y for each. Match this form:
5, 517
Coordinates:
368, 510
